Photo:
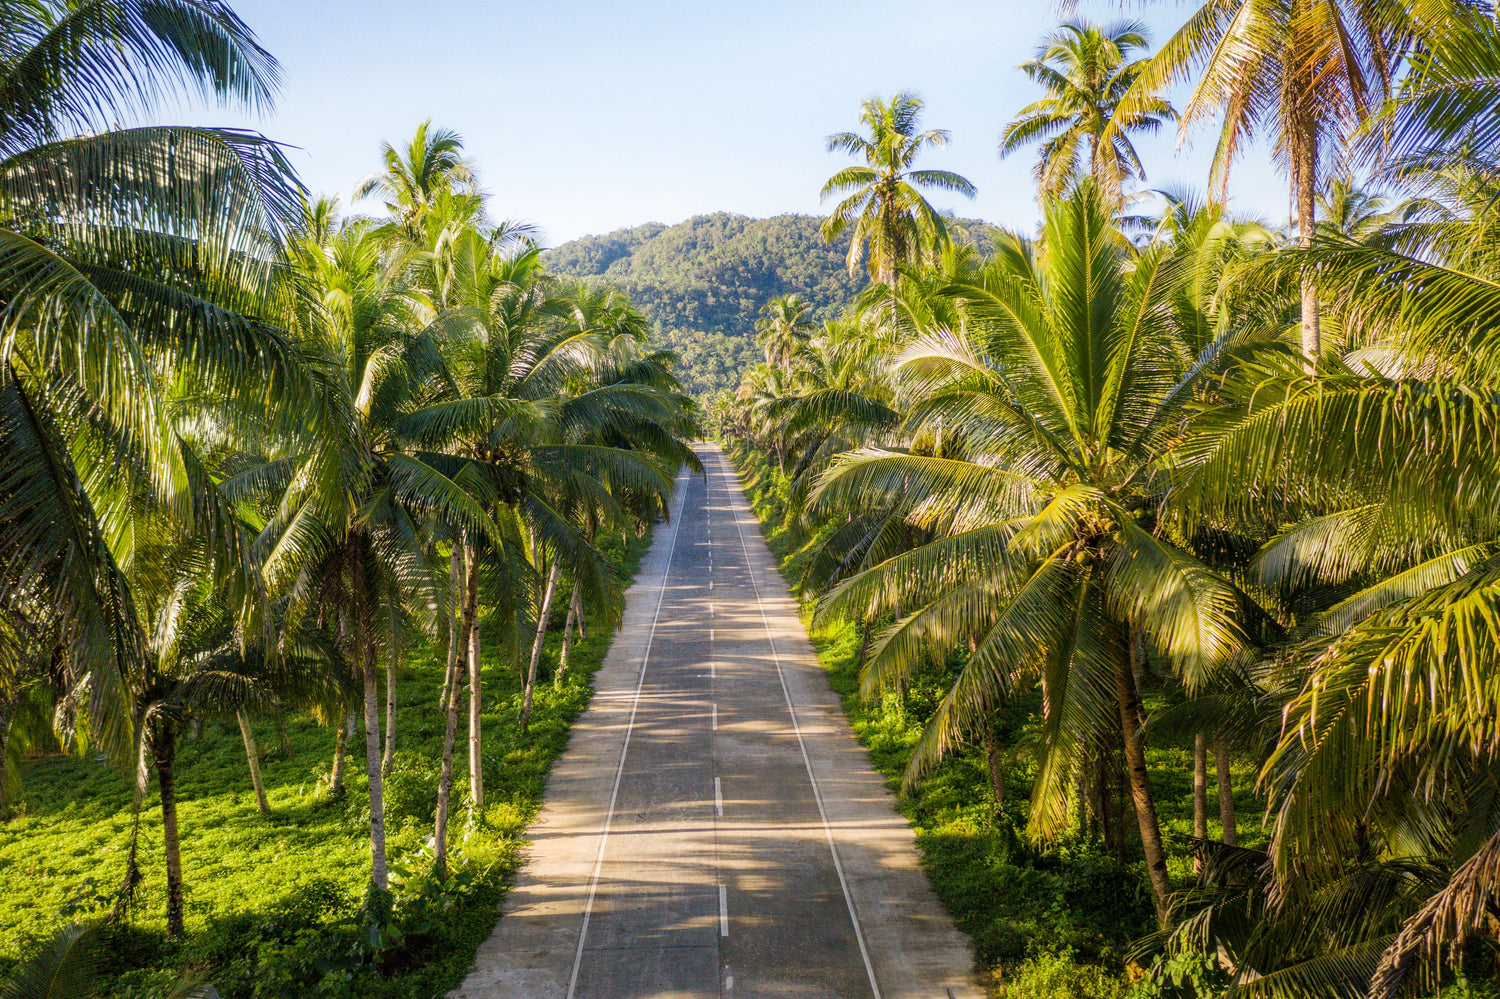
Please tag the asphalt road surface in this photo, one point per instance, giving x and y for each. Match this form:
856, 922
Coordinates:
714, 829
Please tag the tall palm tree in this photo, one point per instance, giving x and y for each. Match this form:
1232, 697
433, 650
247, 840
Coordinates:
786, 325
882, 202
346, 541
431, 165
1048, 419
1086, 70
127, 257
1305, 72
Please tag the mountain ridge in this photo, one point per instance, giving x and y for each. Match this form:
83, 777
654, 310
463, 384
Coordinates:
701, 282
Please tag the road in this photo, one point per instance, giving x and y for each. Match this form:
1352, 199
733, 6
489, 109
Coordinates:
714, 829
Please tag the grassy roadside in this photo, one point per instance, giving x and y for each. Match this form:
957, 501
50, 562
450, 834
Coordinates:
1048, 921
274, 903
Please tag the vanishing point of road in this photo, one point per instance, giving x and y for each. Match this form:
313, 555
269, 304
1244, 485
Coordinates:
714, 829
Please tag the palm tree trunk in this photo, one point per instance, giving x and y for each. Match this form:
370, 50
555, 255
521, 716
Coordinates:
449, 705
579, 616
995, 764
475, 664
378, 873
536, 645
1304, 149
1200, 795
286, 740
393, 664
252, 754
1127, 700
164, 749
567, 646
336, 779
1226, 790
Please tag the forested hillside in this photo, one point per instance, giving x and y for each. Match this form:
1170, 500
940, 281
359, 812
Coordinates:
702, 281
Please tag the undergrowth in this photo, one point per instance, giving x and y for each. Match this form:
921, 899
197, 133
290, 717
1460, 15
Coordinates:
1047, 920
276, 905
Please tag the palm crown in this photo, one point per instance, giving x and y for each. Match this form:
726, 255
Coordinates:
882, 201
1086, 70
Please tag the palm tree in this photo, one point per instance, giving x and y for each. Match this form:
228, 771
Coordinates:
881, 199
1305, 72
130, 259
431, 165
1086, 70
786, 327
347, 539
1047, 420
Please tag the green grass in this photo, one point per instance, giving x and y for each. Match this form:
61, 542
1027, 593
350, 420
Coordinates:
274, 903
1047, 920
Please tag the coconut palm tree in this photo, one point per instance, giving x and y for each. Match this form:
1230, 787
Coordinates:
431, 166
1086, 70
131, 259
347, 540
882, 206
1047, 420
786, 325
1307, 73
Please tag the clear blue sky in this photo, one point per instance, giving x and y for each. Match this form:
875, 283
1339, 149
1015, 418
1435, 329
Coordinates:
585, 116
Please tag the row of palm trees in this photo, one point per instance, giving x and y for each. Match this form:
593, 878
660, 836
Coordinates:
252, 450
1251, 475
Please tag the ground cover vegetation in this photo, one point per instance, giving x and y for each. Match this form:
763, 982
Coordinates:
1155, 550
281, 486
1156, 505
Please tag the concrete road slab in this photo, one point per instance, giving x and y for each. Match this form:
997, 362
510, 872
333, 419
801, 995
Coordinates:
714, 829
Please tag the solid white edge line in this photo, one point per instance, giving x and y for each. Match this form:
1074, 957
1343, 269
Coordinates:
859, 935
723, 911
635, 702
718, 798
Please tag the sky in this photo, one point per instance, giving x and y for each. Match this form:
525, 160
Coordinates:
585, 117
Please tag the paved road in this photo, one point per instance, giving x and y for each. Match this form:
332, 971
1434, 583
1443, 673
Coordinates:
714, 829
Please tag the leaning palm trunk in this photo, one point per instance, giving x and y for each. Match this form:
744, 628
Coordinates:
252, 754
536, 645
164, 749
567, 645
1226, 790
471, 643
1128, 701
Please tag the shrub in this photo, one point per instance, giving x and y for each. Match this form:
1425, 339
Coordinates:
1057, 976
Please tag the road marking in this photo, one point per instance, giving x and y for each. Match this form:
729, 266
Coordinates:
728, 983
718, 798
723, 911
710, 633
833, 849
716, 716
614, 794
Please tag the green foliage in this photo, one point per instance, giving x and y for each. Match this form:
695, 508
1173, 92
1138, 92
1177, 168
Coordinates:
277, 905
1032, 911
1057, 976
702, 282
